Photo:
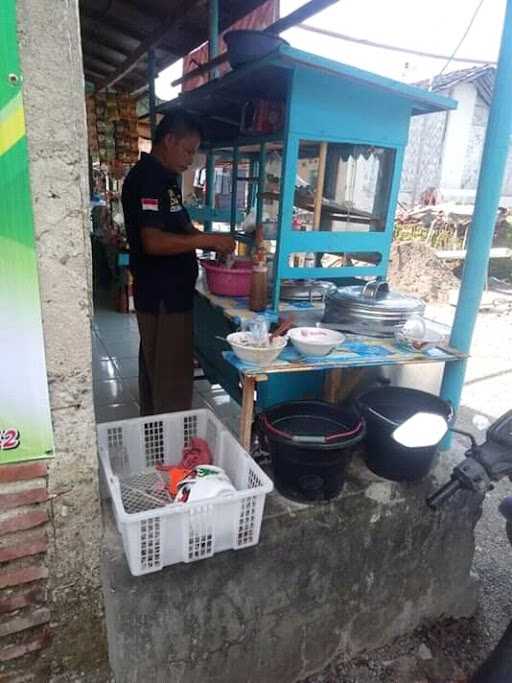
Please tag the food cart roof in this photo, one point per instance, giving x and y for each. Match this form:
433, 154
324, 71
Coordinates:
423, 101
219, 101
113, 31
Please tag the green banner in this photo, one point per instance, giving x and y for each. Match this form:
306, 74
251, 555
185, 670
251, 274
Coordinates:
25, 423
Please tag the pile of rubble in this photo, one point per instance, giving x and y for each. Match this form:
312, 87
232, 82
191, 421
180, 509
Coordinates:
415, 269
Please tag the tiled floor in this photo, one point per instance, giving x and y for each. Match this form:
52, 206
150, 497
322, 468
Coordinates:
115, 372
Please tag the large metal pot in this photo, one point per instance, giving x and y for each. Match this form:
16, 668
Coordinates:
370, 309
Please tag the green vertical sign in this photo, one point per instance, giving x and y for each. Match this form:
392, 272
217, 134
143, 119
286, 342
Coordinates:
25, 423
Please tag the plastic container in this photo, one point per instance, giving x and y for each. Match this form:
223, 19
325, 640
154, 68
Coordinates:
258, 291
258, 288
311, 443
161, 536
417, 335
223, 281
384, 409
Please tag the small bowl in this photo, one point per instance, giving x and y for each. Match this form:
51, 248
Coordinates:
240, 342
418, 344
315, 341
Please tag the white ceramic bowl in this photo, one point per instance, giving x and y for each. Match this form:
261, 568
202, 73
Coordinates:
315, 341
240, 342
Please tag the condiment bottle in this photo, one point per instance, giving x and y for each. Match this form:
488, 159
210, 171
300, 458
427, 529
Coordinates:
258, 293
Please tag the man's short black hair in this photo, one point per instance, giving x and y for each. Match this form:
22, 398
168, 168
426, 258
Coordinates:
179, 122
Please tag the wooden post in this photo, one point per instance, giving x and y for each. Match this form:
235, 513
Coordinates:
317, 214
234, 187
340, 382
213, 42
332, 384
261, 183
210, 189
246, 418
152, 98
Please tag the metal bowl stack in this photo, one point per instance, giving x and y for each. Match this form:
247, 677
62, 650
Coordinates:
370, 309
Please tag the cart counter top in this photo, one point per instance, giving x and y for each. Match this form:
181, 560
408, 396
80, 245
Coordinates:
237, 308
355, 351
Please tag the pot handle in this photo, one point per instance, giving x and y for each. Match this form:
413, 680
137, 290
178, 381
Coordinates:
303, 438
374, 289
299, 438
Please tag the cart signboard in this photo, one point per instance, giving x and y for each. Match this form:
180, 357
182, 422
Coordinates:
25, 422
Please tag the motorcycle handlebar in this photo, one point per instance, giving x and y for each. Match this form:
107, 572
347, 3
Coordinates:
441, 496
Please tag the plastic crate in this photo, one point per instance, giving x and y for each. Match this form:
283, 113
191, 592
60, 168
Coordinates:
156, 538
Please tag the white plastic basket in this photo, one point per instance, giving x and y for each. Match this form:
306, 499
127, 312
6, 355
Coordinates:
159, 537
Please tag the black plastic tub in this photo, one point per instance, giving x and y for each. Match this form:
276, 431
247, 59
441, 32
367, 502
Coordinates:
311, 444
246, 45
384, 409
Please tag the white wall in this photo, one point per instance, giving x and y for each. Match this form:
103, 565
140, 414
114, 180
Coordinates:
457, 137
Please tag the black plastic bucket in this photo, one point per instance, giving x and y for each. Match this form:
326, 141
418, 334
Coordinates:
383, 410
311, 443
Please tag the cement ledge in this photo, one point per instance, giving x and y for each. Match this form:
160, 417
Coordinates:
345, 576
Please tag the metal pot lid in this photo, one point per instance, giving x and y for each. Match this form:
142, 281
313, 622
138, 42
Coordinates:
375, 297
304, 290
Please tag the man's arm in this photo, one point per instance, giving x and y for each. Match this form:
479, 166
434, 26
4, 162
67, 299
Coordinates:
190, 230
157, 242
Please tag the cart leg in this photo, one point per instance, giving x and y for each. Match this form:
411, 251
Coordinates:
332, 384
249, 385
340, 382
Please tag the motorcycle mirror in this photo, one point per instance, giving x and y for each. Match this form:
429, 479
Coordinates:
481, 422
421, 430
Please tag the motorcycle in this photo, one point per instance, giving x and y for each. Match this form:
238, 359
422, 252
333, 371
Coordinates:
483, 465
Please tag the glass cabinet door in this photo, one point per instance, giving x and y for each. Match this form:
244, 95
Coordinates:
341, 187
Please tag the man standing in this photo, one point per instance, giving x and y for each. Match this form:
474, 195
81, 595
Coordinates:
163, 263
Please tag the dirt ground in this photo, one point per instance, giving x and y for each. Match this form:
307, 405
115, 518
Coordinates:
415, 269
449, 651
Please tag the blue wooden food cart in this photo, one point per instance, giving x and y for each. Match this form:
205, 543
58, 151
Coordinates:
321, 172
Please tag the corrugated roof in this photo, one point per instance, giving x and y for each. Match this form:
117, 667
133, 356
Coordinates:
113, 30
481, 76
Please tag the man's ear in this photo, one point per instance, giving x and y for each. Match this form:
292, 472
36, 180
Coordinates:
170, 139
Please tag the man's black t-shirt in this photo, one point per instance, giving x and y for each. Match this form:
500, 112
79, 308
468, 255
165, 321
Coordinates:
152, 198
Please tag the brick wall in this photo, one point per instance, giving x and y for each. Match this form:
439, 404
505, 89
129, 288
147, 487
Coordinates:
24, 613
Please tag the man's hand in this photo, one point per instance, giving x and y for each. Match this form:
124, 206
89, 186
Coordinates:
222, 244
